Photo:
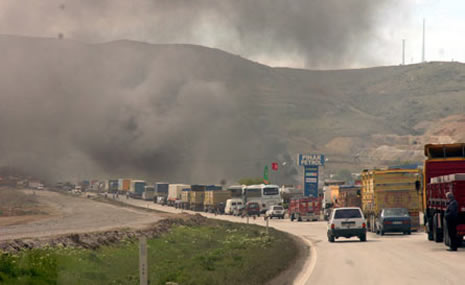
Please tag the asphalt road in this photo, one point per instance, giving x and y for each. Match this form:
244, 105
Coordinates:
390, 259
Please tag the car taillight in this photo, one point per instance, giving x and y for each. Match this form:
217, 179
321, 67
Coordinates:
387, 222
364, 225
332, 226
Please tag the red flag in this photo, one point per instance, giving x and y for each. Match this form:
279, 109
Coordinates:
274, 166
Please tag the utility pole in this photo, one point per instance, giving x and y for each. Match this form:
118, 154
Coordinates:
423, 49
403, 52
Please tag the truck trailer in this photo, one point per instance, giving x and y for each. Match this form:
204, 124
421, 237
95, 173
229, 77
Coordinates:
349, 196
137, 188
185, 198
215, 200
443, 171
161, 191
175, 193
124, 185
113, 186
390, 188
197, 197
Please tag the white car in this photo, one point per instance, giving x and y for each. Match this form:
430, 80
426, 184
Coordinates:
276, 211
347, 222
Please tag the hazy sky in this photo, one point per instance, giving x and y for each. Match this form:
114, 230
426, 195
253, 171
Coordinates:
298, 33
445, 27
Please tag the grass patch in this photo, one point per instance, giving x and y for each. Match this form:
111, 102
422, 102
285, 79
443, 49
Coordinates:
217, 253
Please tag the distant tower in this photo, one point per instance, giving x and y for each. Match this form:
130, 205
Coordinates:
423, 49
403, 52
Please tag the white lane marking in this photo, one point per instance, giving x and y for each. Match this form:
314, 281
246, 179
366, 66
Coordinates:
309, 265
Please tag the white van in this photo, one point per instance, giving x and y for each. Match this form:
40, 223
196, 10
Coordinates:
232, 205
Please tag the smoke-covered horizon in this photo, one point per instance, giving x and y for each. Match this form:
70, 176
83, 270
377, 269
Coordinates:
81, 111
75, 110
299, 33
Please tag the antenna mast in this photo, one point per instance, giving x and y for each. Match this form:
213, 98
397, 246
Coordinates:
423, 50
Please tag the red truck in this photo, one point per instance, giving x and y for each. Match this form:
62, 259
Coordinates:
443, 171
306, 208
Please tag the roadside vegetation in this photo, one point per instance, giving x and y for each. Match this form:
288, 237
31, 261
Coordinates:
215, 253
251, 180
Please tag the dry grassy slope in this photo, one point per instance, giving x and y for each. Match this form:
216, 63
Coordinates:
383, 114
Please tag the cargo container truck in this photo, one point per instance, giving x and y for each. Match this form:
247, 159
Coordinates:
124, 185
175, 193
185, 198
161, 191
349, 196
197, 197
443, 171
390, 188
137, 188
330, 193
113, 185
215, 200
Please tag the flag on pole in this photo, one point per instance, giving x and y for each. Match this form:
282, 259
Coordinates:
274, 166
266, 179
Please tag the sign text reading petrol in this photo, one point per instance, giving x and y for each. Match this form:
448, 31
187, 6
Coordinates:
311, 159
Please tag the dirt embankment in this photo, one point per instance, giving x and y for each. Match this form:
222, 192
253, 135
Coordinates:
20, 207
94, 240
15, 202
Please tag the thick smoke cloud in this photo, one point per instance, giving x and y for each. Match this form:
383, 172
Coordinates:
167, 112
74, 110
317, 33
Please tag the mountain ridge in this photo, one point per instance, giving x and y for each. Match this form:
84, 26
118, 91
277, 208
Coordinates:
122, 104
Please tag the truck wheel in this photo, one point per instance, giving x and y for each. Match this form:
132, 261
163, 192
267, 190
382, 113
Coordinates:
437, 233
429, 228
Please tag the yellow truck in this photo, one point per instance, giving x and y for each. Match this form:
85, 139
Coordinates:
391, 188
196, 200
185, 198
215, 201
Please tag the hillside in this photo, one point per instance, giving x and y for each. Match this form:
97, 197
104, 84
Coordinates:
183, 112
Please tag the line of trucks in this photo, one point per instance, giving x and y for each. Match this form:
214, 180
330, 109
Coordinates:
377, 189
419, 190
208, 198
234, 200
